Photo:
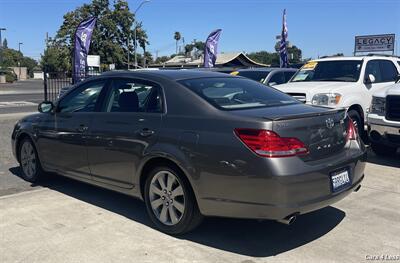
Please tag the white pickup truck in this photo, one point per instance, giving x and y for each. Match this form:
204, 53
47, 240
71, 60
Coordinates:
384, 120
343, 82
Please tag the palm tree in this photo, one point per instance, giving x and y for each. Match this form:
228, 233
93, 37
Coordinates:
177, 37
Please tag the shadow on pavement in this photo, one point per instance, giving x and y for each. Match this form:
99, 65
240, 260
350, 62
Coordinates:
240, 236
393, 161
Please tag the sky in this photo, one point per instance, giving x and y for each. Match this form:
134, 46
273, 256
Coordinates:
318, 27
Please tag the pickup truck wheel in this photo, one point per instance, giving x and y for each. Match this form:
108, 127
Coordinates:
170, 201
383, 150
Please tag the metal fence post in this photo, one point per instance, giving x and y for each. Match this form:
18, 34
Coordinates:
45, 83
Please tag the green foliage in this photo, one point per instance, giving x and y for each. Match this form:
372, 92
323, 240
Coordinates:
199, 45
110, 40
265, 57
11, 58
161, 60
10, 75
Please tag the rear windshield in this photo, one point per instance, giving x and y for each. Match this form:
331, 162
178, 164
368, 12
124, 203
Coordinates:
237, 93
335, 70
254, 75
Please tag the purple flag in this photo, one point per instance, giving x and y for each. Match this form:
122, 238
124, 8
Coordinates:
284, 63
210, 52
83, 35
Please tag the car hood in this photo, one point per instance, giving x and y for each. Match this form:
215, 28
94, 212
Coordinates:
389, 90
314, 87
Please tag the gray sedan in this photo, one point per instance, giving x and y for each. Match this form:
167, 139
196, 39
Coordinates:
194, 144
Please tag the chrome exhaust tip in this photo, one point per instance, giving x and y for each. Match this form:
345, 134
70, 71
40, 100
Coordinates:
288, 220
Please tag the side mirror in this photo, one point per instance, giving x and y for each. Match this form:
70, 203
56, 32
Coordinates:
370, 79
45, 107
397, 79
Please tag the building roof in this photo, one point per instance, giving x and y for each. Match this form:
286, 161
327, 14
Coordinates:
237, 59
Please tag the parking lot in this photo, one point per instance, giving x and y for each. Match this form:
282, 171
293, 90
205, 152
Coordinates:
61, 220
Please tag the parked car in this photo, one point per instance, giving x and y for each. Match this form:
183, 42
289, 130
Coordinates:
193, 144
267, 76
343, 82
384, 121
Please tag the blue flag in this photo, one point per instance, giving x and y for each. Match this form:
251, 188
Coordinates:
83, 35
210, 52
283, 56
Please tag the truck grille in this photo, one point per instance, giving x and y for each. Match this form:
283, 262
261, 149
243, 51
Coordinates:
299, 96
393, 108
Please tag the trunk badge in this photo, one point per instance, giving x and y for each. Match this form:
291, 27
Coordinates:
330, 123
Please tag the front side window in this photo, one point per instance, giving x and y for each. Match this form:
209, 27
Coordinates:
373, 68
237, 93
277, 78
256, 75
130, 95
334, 70
83, 98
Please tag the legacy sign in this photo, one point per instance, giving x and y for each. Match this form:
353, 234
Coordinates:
374, 43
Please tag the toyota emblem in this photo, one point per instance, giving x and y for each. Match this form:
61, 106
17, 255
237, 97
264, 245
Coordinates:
330, 123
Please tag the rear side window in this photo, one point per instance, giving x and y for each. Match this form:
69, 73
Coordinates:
388, 70
237, 93
131, 95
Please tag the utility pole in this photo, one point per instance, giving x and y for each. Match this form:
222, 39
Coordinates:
1, 41
19, 62
128, 46
137, 9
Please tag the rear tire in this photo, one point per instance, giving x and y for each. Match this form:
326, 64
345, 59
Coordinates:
29, 161
383, 150
170, 201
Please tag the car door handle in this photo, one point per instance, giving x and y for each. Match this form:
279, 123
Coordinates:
82, 128
146, 132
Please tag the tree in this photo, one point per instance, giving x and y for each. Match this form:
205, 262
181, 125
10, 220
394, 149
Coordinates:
5, 43
11, 58
161, 60
264, 57
177, 37
111, 37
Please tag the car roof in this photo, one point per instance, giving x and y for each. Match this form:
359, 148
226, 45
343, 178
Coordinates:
173, 74
266, 69
355, 58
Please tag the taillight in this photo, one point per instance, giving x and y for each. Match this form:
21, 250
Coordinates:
269, 144
351, 130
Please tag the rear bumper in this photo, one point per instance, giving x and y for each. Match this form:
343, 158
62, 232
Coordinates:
282, 195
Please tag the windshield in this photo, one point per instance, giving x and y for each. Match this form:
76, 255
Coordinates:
340, 70
254, 75
237, 93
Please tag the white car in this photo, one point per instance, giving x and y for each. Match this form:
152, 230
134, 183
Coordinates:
384, 120
343, 82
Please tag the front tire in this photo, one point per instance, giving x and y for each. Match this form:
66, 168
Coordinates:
170, 201
29, 161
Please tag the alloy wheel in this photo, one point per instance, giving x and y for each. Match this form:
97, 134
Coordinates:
167, 198
28, 159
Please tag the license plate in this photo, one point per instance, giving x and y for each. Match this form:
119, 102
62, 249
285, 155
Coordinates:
340, 180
